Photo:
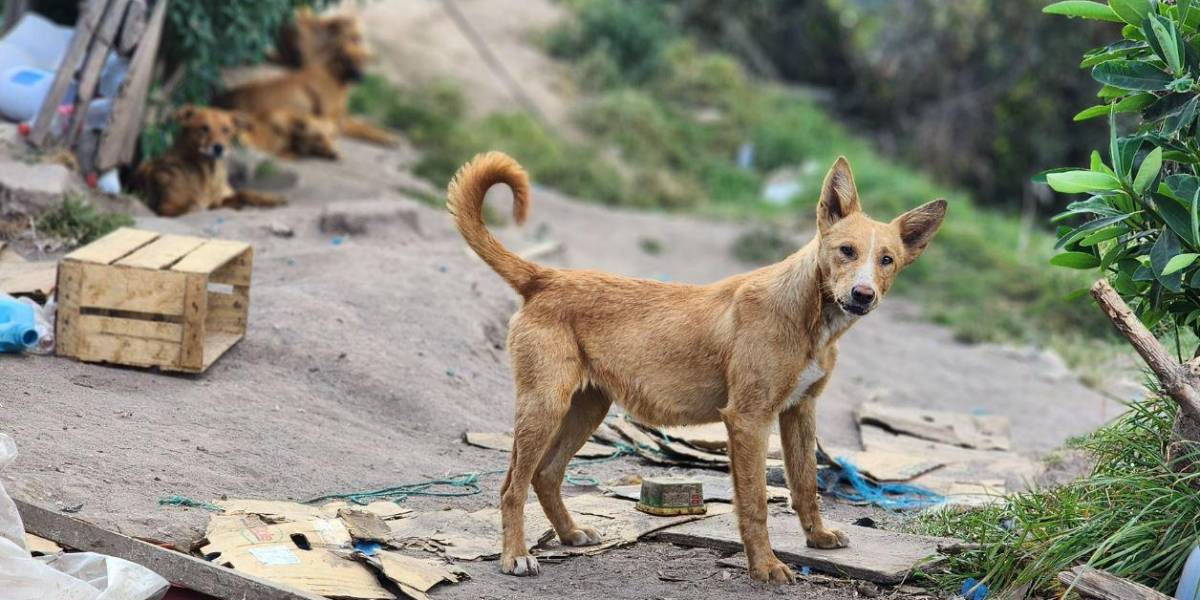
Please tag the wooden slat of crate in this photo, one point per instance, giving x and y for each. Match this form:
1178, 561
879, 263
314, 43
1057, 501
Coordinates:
137, 328
132, 290
216, 344
113, 246
69, 281
162, 253
195, 307
125, 350
227, 312
211, 256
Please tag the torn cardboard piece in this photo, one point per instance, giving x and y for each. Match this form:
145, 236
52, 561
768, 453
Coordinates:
312, 548
887, 467
476, 535
36, 280
875, 555
713, 437
504, 442
988, 432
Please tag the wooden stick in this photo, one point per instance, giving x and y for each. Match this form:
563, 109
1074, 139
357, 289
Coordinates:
1094, 583
119, 139
93, 66
84, 30
1175, 379
187, 571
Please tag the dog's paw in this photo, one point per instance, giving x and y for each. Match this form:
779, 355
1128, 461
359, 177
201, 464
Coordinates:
772, 571
520, 566
582, 536
828, 539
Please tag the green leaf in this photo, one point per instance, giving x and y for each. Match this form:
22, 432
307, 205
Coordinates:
1176, 216
1083, 9
1096, 162
1146, 174
1164, 33
1089, 227
1179, 262
1103, 236
1130, 103
1131, 11
1075, 260
1131, 75
1164, 249
1196, 216
1075, 182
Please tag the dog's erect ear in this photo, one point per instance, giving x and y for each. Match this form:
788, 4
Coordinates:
917, 226
839, 196
243, 122
185, 114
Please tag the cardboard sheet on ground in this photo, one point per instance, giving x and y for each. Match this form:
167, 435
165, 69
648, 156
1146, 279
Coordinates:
33, 279
663, 448
886, 466
987, 432
463, 535
717, 488
875, 555
310, 547
714, 437
504, 442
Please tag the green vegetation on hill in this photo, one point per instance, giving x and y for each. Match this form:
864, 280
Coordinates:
660, 128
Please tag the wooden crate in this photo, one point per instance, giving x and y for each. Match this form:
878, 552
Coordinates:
146, 299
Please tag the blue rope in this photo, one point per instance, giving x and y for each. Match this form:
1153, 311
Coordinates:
890, 496
189, 502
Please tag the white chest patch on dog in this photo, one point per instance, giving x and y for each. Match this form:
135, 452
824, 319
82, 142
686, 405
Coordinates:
811, 374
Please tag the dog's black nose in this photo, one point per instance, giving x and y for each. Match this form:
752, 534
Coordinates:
862, 294
218, 150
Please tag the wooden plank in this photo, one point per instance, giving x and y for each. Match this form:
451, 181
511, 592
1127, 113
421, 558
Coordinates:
162, 253
113, 246
217, 344
195, 307
237, 271
886, 557
227, 312
132, 290
184, 570
119, 139
88, 325
70, 277
89, 73
125, 350
1101, 585
133, 26
210, 256
85, 28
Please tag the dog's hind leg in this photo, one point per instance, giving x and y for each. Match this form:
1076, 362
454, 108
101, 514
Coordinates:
547, 373
588, 408
798, 432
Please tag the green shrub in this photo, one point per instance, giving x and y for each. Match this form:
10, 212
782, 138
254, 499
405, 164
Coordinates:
1138, 217
631, 32
202, 37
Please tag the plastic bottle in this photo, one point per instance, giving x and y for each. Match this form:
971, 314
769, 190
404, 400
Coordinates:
18, 325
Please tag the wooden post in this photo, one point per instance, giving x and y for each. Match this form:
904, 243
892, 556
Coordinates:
1180, 382
85, 29
119, 139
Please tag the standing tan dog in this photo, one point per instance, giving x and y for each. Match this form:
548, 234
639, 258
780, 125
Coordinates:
675, 354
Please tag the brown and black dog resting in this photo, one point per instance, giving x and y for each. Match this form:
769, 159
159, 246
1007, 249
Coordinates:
675, 354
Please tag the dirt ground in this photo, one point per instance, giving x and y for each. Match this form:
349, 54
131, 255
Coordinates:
369, 355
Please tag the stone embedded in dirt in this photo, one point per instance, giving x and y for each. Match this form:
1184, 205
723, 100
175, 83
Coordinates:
33, 188
353, 218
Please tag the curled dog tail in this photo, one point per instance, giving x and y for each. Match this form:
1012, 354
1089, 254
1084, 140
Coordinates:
465, 201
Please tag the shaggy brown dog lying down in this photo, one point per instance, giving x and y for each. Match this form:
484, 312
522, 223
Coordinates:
676, 354
289, 134
332, 55
191, 175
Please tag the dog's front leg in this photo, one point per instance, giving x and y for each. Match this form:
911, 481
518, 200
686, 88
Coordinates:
242, 198
747, 457
798, 432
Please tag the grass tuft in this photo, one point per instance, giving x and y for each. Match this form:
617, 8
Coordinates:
77, 222
1133, 515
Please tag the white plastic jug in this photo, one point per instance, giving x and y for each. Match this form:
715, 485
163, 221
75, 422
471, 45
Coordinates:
1189, 581
22, 90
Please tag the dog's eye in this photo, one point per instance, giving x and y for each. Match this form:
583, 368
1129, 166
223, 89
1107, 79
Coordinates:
204, 128
847, 251
886, 260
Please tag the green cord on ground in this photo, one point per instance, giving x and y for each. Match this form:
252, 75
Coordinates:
189, 502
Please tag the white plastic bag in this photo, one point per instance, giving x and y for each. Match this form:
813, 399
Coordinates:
65, 576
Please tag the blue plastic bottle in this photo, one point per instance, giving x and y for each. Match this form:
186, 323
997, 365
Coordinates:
18, 329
